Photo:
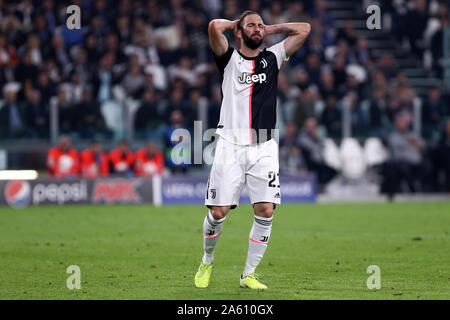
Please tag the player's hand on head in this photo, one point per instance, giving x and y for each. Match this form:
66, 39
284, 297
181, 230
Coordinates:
267, 29
235, 27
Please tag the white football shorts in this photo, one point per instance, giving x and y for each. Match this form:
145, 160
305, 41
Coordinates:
255, 166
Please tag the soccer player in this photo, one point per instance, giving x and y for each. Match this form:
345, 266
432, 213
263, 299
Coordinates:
246, 151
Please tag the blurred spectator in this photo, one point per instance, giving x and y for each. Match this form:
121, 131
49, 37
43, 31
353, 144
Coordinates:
53, 71
347, 33
327, 86
398, 84
49, 13
402, 101
379, 80
25, 10
434, 110
104, 79
59, 53
305, 107
12, 28
89, 119
37, 115
416, 23
122, 29
134, 79
26, 69
302, 79
76, 87
274, 14
343, 50
94, 162
111, 45
183, 70
45, 87
436, 46
351, 85
362, 53
326, 19
66, 116
295, 11
149, 161
177, 102
91, 46
122, 160
32, 46
194, 104
62, 160
313, 68
379, 112
338, 69
285, 91
387, 65
12, 115
356, 116
312, 146
214, 107
331, 118
41, 26
155, 76
405, 158
176, 122
292, 161
8, 55
313, 46
147, 117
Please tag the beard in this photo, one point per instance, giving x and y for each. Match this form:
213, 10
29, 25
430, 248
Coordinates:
251, 43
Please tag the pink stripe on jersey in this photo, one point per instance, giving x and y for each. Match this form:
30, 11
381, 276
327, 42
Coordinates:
250, 104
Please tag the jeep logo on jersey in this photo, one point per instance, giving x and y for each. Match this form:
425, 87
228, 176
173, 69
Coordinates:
249, 78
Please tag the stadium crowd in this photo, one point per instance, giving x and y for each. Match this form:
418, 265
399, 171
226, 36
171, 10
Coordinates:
157, 53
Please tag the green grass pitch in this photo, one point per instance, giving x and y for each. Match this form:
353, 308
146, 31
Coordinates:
316, 251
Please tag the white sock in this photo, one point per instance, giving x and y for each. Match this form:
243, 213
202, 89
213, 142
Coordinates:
257, 244
212, 229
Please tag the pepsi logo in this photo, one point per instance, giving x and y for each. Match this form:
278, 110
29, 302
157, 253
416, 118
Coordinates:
18, 193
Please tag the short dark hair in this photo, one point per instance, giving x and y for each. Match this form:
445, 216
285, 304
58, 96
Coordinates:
242, 17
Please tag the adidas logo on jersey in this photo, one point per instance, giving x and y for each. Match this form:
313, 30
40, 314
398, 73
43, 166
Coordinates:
249, 78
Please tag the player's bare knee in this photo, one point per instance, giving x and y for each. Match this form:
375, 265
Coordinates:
264, 210
219, 212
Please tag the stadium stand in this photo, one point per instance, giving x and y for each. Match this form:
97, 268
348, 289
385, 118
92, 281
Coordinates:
134, 67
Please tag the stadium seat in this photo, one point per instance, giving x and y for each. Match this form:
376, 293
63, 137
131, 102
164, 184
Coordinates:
331, 154
353, 162
133, 106
374, 152
113, 114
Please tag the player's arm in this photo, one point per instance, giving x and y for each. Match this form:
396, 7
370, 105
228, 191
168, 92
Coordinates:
296, 32
217, 39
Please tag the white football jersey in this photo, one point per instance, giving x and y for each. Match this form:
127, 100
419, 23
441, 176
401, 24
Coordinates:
249, 94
